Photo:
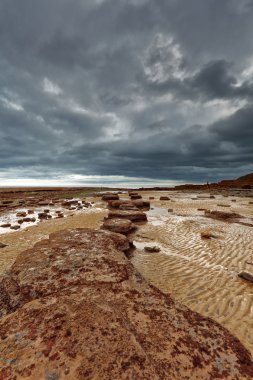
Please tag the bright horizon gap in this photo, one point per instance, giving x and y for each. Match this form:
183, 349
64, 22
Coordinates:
89, 181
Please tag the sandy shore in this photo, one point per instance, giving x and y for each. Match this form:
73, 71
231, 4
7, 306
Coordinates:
201, 273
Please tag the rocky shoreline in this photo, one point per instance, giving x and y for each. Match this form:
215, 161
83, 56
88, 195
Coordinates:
74, 307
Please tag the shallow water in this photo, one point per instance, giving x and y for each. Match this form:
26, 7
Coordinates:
25, 238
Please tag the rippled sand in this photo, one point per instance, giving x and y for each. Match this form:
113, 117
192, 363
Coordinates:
201, 273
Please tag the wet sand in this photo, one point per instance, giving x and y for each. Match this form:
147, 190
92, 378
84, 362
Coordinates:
201, 273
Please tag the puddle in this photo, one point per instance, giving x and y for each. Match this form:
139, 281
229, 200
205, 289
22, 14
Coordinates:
12, 218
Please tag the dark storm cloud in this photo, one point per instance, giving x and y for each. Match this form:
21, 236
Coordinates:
158, 89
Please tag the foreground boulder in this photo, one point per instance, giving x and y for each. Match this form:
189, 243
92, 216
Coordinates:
122, 226
134, 216
75, 308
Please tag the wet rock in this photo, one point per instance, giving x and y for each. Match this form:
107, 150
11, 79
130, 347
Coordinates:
30, 212
43, 203
20, 221
46, 210
151, 198
142, 204
84, 312
16, 227
152, 249
7, 202
122, 226
134, 216
27, 220
221, 215
246, 276
110, 197
207, 234
5, 225
136, 197
2, 245
212, 197
163, 198
121, 205
21, 214
170, 209
42, 215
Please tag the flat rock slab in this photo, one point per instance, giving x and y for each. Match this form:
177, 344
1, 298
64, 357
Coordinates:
134, 216
140, 204
121, 205
110, 197
221, 215
137, 196
74, 307
122, 226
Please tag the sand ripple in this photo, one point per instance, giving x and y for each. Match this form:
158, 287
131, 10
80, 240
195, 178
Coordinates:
202, 273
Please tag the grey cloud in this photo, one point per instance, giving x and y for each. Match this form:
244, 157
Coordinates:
137, 80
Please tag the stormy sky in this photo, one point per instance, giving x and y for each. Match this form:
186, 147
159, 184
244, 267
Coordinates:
125, 91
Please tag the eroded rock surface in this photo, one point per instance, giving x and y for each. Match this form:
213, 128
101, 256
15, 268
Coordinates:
122, 226
74, 307
134, 216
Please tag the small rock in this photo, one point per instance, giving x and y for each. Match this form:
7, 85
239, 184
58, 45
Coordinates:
5, 225
137, 196
21, 214
16, 227
164, 198
42, 215
27, 219
2, 245
170, 209
207, 235
110, 197
246, 276
152, 249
